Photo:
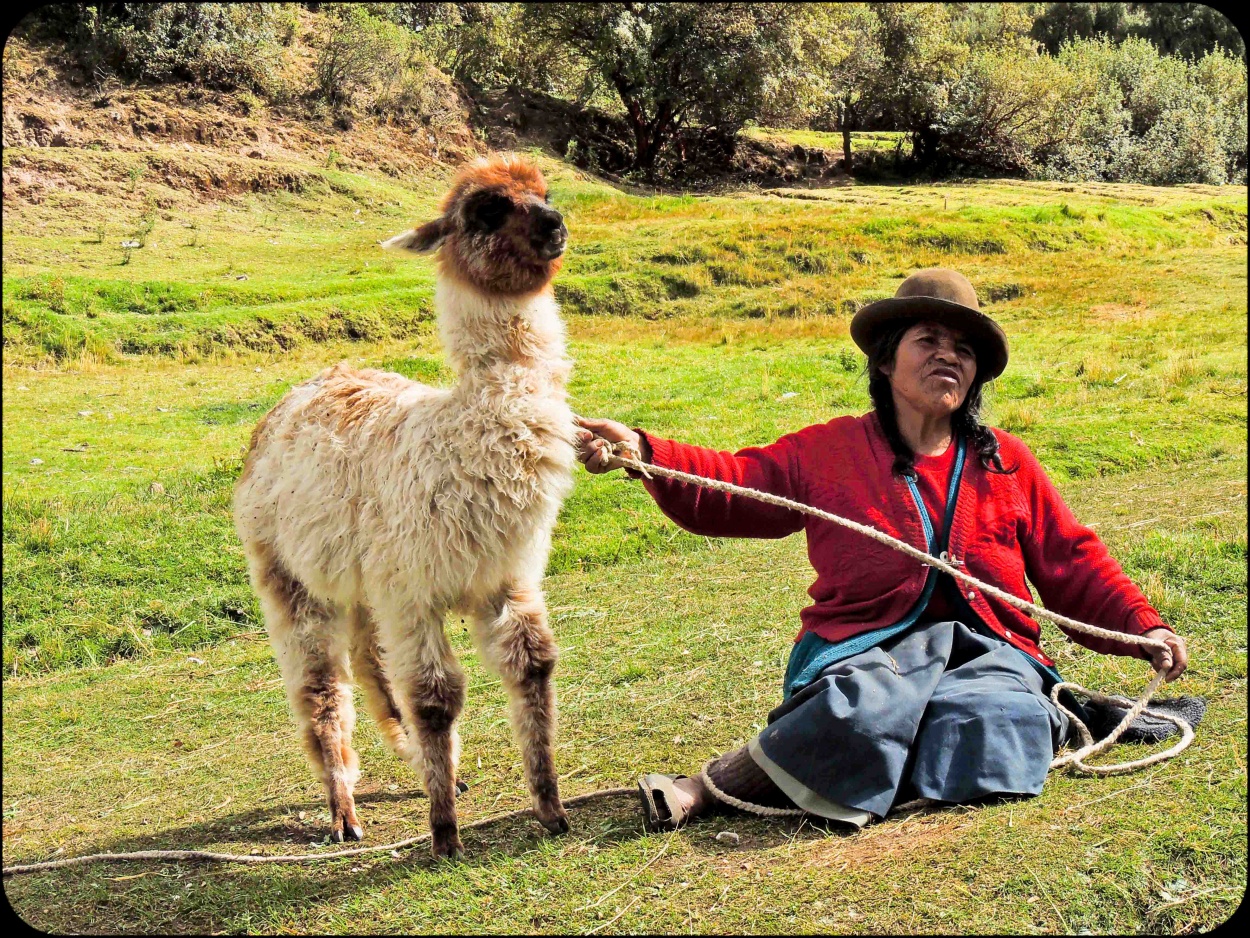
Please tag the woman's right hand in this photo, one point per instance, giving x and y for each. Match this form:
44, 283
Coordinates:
594, 441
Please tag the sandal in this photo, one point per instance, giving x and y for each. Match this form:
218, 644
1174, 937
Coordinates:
661, 810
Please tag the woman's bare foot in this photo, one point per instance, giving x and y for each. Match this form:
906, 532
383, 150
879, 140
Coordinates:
668, 802
692, 796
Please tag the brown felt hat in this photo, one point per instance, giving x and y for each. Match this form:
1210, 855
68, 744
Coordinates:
938, 295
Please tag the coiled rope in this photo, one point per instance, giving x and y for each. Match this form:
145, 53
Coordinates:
625, 456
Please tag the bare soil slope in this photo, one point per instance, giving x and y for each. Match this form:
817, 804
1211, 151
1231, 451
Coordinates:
207, 142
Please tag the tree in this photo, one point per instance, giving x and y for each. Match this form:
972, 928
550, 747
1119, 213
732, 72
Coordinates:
1186, 29
1189, 29
978, 25
674, 66
894, 77
1058, 23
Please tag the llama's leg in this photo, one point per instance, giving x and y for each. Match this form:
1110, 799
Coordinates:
370, 675
308, 642
429, 688
516, 641
371, 678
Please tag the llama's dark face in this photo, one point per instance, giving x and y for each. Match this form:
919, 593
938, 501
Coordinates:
498, 232
501, 224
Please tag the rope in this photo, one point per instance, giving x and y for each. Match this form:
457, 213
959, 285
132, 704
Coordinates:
626, 456
1075, 758
206, 856
761, 810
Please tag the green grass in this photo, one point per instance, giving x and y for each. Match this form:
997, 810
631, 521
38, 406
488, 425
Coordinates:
861, 140
142, 707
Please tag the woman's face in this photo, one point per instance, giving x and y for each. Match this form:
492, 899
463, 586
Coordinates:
932, 369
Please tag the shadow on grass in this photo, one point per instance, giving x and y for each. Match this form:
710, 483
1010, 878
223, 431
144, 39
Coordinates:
155, 896
282, 826
200, 897
757, 834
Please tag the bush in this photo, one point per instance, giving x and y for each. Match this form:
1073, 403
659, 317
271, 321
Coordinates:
224, 45
1097, 110
1222, 78
370, 64
1001, 111
1172, 129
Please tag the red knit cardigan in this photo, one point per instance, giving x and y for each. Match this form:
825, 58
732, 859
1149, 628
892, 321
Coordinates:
1006, 527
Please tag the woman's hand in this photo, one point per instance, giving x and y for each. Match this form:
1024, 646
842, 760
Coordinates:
1175, 658
595, 438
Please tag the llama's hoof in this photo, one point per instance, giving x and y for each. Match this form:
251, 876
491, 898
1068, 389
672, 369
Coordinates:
461, 787
346, 828
556, 821
559, 825
445, 841
452, 851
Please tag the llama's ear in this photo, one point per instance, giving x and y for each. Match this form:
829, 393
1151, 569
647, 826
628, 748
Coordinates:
421, 240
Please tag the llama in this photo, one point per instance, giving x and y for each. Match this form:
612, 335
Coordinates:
371, 506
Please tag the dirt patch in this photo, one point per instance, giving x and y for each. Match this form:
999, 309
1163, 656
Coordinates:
880, 843
47, 107
206, 141
166, 178
1118, 312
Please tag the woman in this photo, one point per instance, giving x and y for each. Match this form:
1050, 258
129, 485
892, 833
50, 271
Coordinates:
902, 683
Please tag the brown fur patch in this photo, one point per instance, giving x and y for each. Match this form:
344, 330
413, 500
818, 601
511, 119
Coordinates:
370, 674
514, 176
503, 261
286, 589
435, 705
325, 697
528, 647
500, 271
354, 398
526, 653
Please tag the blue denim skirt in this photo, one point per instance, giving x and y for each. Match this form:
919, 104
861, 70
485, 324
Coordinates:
940, 711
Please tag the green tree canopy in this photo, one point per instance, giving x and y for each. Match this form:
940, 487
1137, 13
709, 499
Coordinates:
678, 65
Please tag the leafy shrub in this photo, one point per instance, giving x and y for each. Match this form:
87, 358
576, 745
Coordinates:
225, 45
1002, 110
1097, 110
1180, 118
1222, 78
367, 64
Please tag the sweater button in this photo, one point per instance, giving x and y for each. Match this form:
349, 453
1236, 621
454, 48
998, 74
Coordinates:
972, 594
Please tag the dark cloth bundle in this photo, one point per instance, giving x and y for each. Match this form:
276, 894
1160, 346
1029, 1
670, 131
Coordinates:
1104, 717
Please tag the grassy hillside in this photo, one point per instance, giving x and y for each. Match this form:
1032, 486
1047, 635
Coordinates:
299, 261
142, 706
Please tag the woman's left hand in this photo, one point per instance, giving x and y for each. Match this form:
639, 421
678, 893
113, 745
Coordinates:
1175, 657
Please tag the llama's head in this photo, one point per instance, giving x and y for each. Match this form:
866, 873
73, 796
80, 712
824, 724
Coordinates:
497, 232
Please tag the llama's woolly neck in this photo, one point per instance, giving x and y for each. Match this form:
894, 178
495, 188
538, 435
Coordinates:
492, 337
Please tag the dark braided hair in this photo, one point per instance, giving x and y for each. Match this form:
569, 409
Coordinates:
965, 422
